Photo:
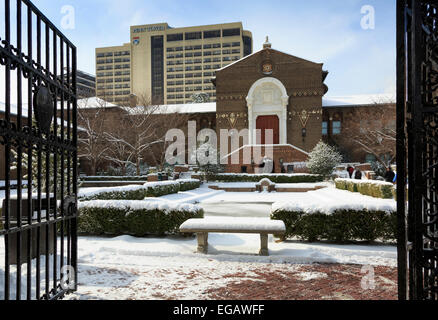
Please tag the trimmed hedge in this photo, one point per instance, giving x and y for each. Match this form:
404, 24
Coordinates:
341, 226
280, 178
116, 178
153, 189
376, 189
114, 218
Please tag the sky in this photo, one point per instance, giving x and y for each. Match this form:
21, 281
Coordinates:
360, 61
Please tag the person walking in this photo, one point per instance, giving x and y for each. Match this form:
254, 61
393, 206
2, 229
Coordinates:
358, 174
389, 175
350, 171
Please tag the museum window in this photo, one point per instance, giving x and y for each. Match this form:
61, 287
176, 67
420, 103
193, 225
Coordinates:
337, 128
324, 128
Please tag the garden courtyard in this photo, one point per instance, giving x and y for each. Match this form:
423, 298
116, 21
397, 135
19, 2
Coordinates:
168, 267
308, 264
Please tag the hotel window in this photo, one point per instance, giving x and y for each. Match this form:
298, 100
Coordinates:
226, 45
207, 53
216, 45
207, 74
179, 83
100, 55
193, 35
235, 51
175, 37
199, 81
325, 128
170, 49
170, 76
212, 34
227, 59
189, 68
109, 54
337, 127
226, 51
216, 59
207, 67
231, 32
198, 61
189, 81
207, 60
216, 52
100, 61
207, 46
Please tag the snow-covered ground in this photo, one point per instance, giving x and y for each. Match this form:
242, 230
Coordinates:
169, 268
154, 268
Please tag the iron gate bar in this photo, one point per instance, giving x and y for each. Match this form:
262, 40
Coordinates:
22, 136
417, 138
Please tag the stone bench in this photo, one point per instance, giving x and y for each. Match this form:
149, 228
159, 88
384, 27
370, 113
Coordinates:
262, 226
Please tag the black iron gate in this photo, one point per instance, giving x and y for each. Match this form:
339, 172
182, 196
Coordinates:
417, 154
38, 130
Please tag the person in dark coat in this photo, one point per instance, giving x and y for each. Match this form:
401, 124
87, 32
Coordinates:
358, 175
389, 175
350, 170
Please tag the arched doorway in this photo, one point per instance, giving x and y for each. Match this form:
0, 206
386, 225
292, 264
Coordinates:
265, 123
268, 100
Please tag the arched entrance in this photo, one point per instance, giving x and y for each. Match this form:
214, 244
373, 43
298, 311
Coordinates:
267, 99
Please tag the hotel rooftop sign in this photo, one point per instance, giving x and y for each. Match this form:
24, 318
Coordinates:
154, 28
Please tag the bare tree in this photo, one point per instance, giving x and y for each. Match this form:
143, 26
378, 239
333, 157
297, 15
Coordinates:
135, 136
373, 129
166, 119
91, 121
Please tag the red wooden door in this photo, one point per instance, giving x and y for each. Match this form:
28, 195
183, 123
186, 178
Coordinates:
268, 123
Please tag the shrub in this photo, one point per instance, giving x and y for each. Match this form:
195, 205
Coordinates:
341, 226
151, 189
136, 218
114, 178
280, 178
323, 159
372, 188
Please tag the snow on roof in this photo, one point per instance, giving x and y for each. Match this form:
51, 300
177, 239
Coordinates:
94, 102
209, 107
358, 100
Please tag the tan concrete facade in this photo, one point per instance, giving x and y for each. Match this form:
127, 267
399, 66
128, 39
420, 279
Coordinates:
169, 65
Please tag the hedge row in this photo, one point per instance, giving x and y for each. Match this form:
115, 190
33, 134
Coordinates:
376, 189
152, 189
136, 218
280, 178
117, 178
341, 226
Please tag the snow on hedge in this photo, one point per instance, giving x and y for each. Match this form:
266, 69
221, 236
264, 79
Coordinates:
129, 205
327, 201
92, 192
375, 182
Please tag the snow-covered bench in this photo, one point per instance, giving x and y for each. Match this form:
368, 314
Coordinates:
262, 226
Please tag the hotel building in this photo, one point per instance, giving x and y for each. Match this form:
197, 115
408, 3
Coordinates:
168, 65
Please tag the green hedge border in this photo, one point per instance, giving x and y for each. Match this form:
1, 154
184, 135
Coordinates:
372, 189
274, 178
341, 226
158, 190
118, 179
94, 221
